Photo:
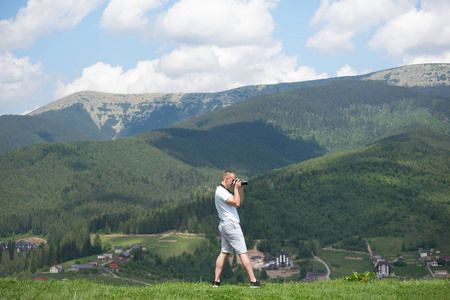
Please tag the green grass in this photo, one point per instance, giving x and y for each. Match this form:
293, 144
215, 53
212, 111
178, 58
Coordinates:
125, 240
165, 247
393, 245
336, 289
341, 266
386, 245
412, 271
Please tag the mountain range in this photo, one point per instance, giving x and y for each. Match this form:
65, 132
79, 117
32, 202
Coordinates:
89, 115
326, 146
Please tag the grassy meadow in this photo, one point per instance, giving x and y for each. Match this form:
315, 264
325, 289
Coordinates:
335, 289
164, 244
344, 263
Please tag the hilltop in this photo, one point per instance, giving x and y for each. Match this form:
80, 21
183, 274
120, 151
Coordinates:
415, 76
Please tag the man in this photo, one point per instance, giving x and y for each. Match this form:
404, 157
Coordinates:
229, 227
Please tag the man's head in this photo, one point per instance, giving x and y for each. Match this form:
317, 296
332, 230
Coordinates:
228, 178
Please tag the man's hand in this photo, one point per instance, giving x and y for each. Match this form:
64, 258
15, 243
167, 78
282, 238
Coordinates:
238, 184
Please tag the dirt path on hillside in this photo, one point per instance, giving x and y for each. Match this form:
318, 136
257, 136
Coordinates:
343, 250
370, 250
128, 279
317, 258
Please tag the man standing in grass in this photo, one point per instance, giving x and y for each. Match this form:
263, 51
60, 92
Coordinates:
229, 227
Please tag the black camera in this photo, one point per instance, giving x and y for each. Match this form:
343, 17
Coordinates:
243, 182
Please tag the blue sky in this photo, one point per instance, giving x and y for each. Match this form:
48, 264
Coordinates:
52, 48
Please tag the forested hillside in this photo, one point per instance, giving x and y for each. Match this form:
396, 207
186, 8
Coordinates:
398, 186
339, 116
21, 131
50, 188
53, 187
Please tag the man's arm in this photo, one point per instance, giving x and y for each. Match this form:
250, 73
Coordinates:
238, 197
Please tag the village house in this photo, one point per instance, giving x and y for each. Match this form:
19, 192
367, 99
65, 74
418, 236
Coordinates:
79, 268
114, 266
423, 256
105, 257
433, 264
375, 259
118, 250
271, 267
282, 259
125, 254
446, 258
20, 246
315, 276
25, 246
256, 258
56, 269
382, 268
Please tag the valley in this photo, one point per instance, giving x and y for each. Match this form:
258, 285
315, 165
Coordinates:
331, 164
340, 262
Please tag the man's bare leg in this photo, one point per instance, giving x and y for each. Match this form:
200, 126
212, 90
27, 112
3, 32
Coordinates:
245, 260
219, 265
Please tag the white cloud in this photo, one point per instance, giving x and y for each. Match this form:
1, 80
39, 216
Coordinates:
410, 31
346, 71
422, 59
20, 81
128, 17
219, 22
330, 41
194, 69
39, 18
339, 22
418, 35
222, 44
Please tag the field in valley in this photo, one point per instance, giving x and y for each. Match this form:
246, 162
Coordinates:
164, 244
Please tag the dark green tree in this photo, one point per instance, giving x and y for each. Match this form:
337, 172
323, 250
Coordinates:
97, 247
33, 264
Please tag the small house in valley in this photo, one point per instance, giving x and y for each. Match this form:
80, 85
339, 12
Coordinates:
80, 268
114, 266
56, 269
118, 250
383, 268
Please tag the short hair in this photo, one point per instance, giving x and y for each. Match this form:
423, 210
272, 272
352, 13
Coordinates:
226, 173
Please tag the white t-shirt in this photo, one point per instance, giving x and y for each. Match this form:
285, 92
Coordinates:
226, 212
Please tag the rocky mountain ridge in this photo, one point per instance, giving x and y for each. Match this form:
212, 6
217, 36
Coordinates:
422, 75
121, 110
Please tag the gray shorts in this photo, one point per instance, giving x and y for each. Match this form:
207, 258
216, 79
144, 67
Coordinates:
232, 237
